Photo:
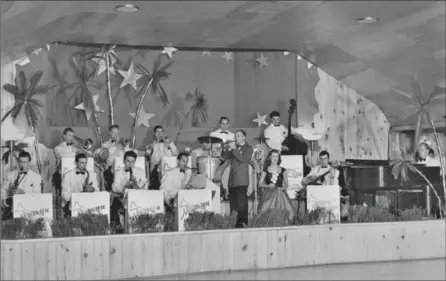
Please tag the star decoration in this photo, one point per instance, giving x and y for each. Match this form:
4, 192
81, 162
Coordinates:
143, 118
262, 60
299, 57
227, 56
309, 64
130, 77
88, 111
102, 64
169, 51
286, 53
205, 53
260, 120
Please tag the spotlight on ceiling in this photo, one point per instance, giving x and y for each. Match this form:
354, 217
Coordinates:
126, 8
368, 19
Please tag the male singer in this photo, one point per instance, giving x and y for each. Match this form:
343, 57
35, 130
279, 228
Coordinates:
161, 147
240, 154
22, 181
222, 132
175, 179
128, 177
78, 180
112, 146
275, 133
64, 149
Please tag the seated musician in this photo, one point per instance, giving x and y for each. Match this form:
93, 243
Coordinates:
113, 147
21, 181
175, 179
64, 149
275, 133
128, 177
423, 157
204, 150
161, 147
78, 180
222, 132
322, 174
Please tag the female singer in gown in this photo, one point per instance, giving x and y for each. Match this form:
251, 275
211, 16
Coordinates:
274, 181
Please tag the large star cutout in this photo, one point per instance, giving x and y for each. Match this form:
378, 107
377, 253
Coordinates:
169, 51
130, 77
102, 64
260, 120
262, 60
227, 56
88, 111
143, 118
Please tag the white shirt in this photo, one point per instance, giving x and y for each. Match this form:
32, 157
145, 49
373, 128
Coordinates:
430, 162
275, 135
113, 151
64, 150
331, 178
160, 150
228, 136
173, 180
122, 177
28, 183
74, 183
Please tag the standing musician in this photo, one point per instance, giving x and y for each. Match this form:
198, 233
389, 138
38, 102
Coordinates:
222, 132
113, 147
128, 177
175, 179
275, 133
64, 149
22, 181
78, 180
161, 147
240, 154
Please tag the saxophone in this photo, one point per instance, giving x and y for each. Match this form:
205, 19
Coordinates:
87, 182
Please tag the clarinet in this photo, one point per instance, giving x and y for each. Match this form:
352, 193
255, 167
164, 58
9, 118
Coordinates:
131, 175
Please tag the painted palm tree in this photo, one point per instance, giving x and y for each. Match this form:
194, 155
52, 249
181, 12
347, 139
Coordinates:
400, 170
13, 149
175, 114
198, 110
151, 83
25, 93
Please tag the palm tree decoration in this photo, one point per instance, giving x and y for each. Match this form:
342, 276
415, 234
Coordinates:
198, 110
152, 83
25, 100
421, 105
13, 148
400, 170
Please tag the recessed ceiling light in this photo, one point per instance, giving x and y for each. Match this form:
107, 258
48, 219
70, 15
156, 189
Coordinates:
126, 8
368, 20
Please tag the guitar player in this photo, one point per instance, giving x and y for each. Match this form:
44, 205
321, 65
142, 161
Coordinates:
323, 173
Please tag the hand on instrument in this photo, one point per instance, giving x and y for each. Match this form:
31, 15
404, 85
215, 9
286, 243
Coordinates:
89, 188
285, 148
232, 145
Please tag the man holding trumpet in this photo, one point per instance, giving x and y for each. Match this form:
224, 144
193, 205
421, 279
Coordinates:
22, 181
78, 180
127, 177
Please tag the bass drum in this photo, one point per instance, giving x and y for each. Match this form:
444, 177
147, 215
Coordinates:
252, 179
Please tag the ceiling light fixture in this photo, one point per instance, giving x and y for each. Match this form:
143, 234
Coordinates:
126, 8
368, 19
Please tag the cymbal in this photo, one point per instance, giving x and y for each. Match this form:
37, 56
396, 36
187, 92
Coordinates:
209, 139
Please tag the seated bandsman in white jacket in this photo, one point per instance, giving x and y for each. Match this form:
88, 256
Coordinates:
78, 180
21, 181
128, 177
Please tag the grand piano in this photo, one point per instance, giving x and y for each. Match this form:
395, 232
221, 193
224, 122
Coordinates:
372, 182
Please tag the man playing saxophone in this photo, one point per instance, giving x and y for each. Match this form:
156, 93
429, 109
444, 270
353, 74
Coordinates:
22, 181
78, 180
128, 177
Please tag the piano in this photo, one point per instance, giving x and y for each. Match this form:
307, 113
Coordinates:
372, 182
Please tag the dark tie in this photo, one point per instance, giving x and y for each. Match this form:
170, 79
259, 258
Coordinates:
69, 143
276, 125
182, 171
127, 170
323, 167
112, 141
80, 173
422, 159
224, 133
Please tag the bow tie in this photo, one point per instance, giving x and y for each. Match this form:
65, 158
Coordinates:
223, 132
276, 125
112, 141
323, 167
182, 171
422, 159
69, 143
127, 170
80, 173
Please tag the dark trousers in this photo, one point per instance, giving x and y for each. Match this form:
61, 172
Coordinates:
116, 208
108, 179
7, 211
155, 181
238, 202
66, 210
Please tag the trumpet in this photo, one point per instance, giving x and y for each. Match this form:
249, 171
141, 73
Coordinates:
86, 144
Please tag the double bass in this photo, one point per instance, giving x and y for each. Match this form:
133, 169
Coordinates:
295, 145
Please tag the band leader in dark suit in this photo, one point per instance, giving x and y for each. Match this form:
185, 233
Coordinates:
240, 153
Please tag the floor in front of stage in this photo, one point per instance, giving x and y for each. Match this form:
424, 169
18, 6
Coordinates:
433, 269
